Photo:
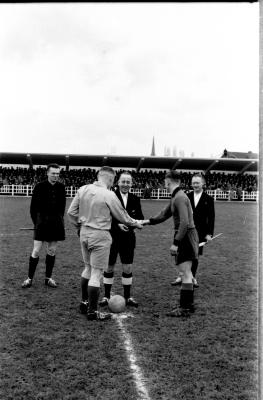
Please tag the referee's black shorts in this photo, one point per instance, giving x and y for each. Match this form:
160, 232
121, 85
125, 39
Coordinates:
123, 245
188, 247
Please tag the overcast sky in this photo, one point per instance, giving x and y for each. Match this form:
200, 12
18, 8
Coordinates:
104, 78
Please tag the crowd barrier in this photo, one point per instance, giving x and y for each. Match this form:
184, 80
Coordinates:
157, 194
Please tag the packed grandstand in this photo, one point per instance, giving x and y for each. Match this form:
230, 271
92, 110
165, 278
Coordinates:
233, 176
147, 178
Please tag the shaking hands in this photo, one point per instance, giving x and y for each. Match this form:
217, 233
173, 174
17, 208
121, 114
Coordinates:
141, 223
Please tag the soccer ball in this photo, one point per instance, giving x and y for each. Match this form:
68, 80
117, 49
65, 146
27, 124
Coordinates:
117, 304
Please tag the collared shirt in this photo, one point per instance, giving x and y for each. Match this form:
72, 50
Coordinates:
197, 197
124, 198
94, 206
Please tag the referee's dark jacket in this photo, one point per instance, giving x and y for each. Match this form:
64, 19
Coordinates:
204, 215
134, 210
47, 210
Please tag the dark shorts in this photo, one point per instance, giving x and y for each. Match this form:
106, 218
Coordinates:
122, 245
49, 228
188, 248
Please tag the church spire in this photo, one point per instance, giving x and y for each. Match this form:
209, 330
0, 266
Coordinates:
153, 148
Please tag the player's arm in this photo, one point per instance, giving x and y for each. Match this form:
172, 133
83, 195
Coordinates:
73, 211
63, 200
184, 220
34, 205
119, 212
162, 216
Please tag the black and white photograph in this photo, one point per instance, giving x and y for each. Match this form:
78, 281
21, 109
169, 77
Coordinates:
131, 201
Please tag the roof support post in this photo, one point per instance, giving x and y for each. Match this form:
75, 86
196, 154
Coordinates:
67, 162
246, 167
29, 160
210, 166
177, 162
139, 164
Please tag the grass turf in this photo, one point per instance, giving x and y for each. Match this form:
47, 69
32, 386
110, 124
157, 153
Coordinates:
49, 351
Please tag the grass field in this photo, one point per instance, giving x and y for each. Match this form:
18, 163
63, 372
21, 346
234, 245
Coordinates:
51, 352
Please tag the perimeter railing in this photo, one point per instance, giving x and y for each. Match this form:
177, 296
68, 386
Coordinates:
156, 194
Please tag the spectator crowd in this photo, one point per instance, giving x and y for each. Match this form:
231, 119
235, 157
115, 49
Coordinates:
149, 179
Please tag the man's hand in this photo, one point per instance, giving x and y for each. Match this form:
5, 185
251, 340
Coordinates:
139, 224
144, 222
123, 227
208, 238
173, 250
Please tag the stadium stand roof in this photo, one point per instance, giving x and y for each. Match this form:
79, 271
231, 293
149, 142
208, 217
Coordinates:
238, 154
238, 165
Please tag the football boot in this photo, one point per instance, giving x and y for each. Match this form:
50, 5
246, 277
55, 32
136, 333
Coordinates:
27, 283
130, 302
98, 316
177, 281
50, 282
83, 307
104, 302
179, 313
195, 283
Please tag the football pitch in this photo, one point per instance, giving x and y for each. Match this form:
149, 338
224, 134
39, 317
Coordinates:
51, 352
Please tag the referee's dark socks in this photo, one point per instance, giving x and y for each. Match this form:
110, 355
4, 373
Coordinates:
194, 267
108, 278
93, 296
84, 288
127, 282
186, 295
32, 266
50, 262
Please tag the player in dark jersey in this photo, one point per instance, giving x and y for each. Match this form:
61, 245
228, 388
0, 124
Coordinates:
47, 212
185, 244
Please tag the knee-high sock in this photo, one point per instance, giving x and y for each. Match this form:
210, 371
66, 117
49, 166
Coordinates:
186, 295
194, 267
50, 261
127, 282
32, 266
93, 296
108, 278
84, 288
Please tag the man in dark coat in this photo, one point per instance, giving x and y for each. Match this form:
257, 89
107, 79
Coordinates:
123, 241
47, 212
204, 218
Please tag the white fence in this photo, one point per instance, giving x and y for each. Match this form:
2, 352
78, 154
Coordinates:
157, 194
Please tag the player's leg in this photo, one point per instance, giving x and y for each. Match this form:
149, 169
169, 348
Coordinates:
50, 262
33, 261
187, 287
108, 279
127, 278
85, 276
186, 291
195, 266
127, 248
99, 247
187, 252
108, 274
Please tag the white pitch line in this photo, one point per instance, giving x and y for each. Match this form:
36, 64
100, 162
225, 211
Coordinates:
136, 371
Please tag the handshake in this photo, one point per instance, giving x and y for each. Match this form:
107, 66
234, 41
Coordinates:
141, 223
